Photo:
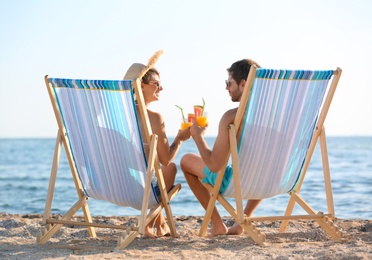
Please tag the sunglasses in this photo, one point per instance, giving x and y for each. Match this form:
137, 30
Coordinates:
228, 83
156, 82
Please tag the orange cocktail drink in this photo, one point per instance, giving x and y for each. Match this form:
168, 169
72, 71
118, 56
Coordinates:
200, 116
185, 125
201, 120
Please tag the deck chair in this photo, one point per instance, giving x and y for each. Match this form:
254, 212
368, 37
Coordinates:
99, 127
281, 116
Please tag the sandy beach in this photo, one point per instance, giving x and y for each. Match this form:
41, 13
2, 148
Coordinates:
302, 240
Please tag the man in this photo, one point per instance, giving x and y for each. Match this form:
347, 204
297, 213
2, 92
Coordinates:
206, 165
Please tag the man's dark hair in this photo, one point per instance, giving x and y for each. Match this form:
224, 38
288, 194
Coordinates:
239, 70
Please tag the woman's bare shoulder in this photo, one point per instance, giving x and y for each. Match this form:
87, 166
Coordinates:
154, 115
156, 120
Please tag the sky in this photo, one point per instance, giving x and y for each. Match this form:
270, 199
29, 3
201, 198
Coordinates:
200, 40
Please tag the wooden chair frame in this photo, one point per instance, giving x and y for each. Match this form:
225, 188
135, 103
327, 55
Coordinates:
52, 225
326, 221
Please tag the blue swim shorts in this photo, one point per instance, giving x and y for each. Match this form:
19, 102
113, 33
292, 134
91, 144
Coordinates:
155, 186
211, 177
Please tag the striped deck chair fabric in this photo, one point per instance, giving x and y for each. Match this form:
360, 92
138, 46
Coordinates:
100, 127
277, 130
281, 117
100, 119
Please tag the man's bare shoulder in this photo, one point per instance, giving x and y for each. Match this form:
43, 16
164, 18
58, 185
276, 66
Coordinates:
229, 115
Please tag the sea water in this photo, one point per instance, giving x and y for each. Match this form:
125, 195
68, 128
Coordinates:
25, 166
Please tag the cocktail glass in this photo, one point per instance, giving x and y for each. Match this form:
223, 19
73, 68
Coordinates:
185, 125
202, 120
190, 118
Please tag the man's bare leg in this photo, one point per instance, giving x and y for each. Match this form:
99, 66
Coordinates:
250, 207
202, 194
192, 167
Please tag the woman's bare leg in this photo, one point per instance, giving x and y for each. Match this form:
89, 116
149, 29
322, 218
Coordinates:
169, 174
149, 229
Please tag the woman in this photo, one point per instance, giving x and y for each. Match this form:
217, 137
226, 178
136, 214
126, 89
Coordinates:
151, 88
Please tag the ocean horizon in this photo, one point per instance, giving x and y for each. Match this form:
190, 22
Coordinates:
25, 165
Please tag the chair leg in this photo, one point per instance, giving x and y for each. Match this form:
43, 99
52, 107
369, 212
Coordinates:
288, 212
327, 174
209, 211
254, 233
51, 229
168, 210
326, 223
128, 238
53, 176
88, 219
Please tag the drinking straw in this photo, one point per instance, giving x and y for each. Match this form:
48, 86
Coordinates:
183, 116
202, 114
